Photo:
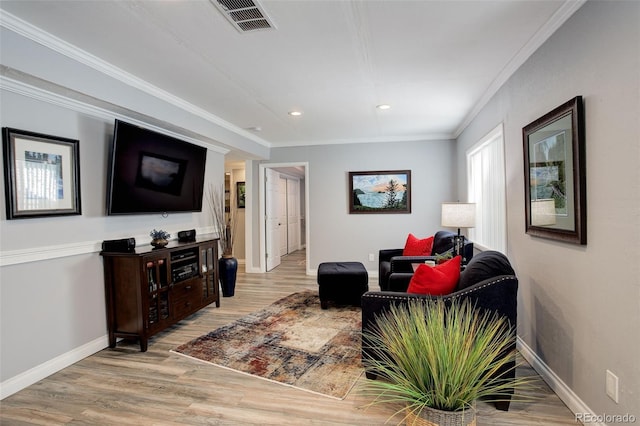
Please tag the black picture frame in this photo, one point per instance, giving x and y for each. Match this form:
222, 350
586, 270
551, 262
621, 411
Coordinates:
555, 174
241, 192
372, 192
41, 174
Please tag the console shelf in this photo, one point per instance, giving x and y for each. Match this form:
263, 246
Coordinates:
148, 290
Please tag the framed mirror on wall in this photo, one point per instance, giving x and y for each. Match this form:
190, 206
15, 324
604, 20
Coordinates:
555, 174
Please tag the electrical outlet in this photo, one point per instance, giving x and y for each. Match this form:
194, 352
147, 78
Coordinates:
612, 386
371, 257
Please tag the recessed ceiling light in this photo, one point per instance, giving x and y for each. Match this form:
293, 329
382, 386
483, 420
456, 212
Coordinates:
295, 113
383, 106
254, 129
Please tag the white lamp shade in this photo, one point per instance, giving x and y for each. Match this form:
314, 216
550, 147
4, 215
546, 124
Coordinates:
459, 215
543, 212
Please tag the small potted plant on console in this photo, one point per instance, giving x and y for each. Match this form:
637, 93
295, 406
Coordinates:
159, 238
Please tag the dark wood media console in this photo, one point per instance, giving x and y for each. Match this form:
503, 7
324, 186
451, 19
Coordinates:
148, 289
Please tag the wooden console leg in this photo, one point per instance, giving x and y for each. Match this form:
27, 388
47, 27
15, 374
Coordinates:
370, 376
503, 405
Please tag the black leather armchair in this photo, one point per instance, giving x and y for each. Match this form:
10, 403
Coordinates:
488, 280
391, 261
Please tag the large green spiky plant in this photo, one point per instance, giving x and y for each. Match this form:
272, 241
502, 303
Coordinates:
430, 353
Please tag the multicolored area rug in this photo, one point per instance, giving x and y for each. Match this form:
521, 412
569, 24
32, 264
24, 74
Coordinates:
292, 342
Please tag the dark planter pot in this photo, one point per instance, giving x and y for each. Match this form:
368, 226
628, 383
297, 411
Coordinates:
228, 271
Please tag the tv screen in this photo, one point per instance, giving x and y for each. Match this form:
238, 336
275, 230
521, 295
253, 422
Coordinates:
153, 173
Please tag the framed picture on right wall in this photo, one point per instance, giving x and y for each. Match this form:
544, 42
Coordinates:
555, 174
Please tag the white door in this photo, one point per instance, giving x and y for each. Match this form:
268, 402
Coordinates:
272, 203
282, 216
293, 215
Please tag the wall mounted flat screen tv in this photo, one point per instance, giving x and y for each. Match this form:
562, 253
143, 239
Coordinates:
153, 173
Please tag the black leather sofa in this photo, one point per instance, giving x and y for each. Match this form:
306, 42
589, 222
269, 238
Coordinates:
391, 261
488, 280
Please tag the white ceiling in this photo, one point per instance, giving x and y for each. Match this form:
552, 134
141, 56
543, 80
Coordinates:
435, 62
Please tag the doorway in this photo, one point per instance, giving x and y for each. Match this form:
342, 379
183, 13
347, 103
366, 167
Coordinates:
284, 212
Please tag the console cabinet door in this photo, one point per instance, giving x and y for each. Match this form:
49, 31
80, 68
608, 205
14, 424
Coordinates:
156, 282
208, 262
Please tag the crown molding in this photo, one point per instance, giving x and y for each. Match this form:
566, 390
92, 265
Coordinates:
379, 139
60, 46
21, 88
564, 12
38, 93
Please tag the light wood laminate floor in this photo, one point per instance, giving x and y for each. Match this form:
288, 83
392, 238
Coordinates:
124, 386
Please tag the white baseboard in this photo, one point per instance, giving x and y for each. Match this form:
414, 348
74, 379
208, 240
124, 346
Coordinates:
564, 392
35, 374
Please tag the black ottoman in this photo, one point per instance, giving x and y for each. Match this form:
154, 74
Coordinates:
342, 282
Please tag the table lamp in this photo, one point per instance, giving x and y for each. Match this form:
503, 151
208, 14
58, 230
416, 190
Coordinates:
459, 215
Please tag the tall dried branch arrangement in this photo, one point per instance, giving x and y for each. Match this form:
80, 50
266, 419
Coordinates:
223, 224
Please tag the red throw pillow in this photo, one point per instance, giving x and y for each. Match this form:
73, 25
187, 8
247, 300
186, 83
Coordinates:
436, 280
417, 247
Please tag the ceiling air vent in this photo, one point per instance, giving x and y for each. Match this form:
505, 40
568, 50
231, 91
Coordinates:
245, 15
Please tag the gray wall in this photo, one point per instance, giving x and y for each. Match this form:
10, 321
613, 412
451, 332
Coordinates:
54, 305
334, 234
579, 306
51, 280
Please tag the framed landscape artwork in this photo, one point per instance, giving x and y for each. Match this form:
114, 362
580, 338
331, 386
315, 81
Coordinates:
41, 174
380, 192
554, 174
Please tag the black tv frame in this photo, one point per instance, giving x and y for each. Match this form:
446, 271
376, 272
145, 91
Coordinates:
150, 172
